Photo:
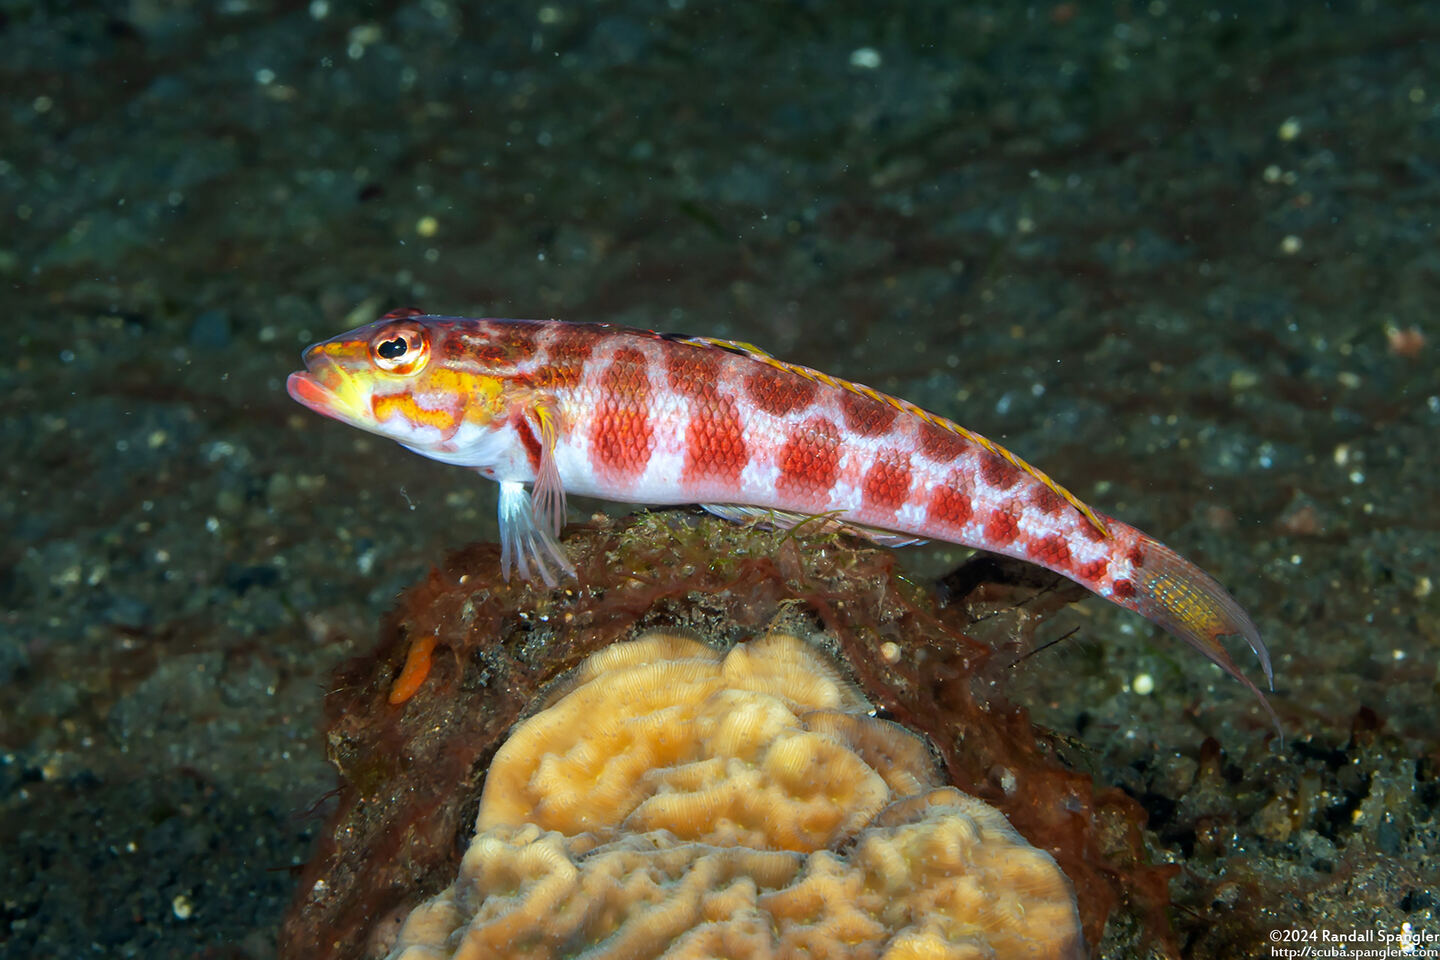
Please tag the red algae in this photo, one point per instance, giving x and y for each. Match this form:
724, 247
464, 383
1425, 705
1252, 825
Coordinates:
412, 773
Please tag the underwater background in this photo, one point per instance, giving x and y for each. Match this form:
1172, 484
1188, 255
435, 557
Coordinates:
1183, 257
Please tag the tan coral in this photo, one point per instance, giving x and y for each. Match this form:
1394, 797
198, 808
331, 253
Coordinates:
670, 801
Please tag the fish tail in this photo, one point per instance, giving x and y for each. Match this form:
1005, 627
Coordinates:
1177, 595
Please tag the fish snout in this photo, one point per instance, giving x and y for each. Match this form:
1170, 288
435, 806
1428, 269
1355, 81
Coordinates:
311, 354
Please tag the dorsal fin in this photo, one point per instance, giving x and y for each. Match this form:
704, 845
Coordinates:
755, 353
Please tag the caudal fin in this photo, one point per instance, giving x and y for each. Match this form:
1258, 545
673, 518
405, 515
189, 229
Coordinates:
1185, 600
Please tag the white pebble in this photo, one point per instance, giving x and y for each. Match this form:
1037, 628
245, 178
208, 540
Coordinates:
865, 58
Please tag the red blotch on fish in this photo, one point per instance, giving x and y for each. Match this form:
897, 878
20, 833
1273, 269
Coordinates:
865, 416
622, 438
779, 392
949, 504
1001, 528
998, 472
941, 445
1047, 501
714, 442
1052, 551
809, 462
887, 482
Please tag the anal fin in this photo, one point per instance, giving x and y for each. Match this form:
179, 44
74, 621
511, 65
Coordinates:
819, 522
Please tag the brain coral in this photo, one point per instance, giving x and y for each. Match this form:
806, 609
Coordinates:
671, 801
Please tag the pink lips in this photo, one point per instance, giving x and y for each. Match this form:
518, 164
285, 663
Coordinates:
305, 389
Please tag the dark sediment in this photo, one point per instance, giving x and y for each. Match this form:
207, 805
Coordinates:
1183, 259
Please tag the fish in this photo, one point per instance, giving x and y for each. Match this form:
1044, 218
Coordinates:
550, 408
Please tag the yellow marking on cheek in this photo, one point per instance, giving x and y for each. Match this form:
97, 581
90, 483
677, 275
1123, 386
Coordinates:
485, 393
345, 350
347, 390
482, 394
404, 404
446, 380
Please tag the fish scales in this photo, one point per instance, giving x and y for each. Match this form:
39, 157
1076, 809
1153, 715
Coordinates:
652, 420
632, 415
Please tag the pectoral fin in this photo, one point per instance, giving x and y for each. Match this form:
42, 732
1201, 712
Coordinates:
549, 493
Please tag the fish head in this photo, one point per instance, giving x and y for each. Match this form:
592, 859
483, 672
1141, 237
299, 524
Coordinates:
391, 378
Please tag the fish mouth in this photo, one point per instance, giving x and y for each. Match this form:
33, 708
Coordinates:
330, 390
310, 392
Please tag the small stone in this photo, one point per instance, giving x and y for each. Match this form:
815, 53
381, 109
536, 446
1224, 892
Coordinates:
1226, 895
1176, 776
865, 58
1276, 820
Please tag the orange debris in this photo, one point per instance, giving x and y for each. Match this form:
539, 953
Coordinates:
416, 669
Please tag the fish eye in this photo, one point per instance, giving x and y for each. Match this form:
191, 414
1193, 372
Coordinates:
400, 348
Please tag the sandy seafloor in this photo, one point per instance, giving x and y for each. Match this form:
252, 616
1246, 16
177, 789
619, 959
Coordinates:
1185, 257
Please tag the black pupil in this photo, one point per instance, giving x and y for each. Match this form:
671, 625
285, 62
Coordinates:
392, 349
